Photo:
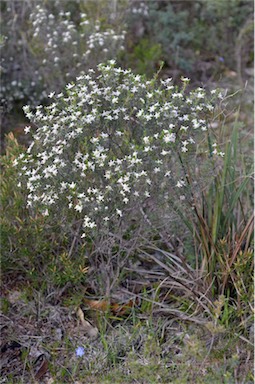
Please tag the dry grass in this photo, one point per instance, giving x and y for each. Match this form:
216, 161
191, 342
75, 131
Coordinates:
148, 345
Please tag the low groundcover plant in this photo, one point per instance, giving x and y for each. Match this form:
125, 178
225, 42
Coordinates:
114, 146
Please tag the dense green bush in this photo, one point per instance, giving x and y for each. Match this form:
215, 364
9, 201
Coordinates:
198, 38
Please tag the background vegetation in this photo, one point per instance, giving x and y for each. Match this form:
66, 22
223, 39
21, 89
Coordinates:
163, 303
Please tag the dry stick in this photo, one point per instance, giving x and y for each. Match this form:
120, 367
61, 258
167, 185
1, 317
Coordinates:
157, 289
123, 262
74, 240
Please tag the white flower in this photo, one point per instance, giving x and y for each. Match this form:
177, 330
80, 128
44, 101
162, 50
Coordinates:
100, 198
63, 185
27, 129
180, 184
87, 223
170, 137
107, 175
78, 207
195, 123
119, 212
152, 108
148, 117
126, 188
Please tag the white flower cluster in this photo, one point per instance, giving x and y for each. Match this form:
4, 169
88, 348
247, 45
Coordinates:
103, 40
140, 9
109, 142
60, 34
42, 50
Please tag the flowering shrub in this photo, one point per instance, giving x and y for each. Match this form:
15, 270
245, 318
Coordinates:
43, 48
114, 146
79, 44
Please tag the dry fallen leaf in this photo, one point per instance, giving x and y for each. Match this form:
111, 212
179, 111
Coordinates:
115, 308
41, 365
230, 73
91, 331
100, 305
123, 309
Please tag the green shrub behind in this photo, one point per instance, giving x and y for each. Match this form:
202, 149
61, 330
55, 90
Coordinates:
30, 246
